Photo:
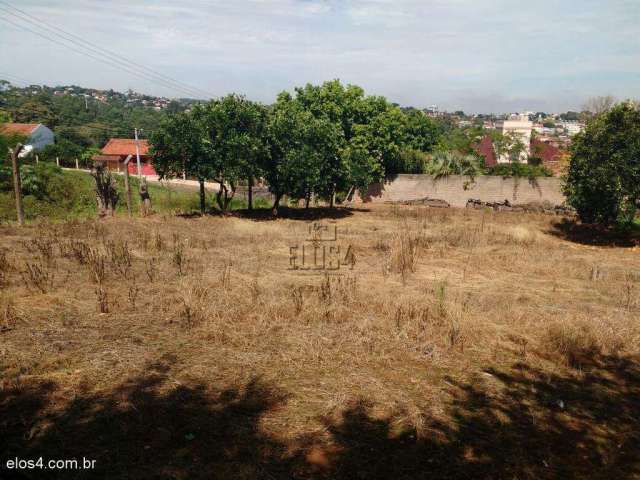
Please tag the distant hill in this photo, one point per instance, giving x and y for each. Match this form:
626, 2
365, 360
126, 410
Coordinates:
86, 117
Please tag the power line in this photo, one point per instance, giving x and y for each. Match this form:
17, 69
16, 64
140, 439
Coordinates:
113, 63
102, 50
103, 60
127, 64
12, 77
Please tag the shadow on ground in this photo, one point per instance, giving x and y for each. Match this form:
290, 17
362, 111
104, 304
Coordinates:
265, 214
522, 423
595, 235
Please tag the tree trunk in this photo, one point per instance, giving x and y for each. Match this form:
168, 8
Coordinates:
203, 206
332, 200
229, 193
106, 193
276, 204
250, 192
307, 199
349, 193
17, 186
219, 201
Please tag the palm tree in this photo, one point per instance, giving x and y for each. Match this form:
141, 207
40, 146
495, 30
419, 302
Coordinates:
443, 164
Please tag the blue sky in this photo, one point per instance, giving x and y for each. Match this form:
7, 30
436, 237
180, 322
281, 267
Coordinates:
479, 56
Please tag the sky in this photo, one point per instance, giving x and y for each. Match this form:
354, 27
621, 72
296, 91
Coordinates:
480, 56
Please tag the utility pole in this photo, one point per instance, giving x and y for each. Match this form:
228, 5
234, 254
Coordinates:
17, 186
135, 131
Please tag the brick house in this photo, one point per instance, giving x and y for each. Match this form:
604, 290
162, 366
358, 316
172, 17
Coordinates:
115, 152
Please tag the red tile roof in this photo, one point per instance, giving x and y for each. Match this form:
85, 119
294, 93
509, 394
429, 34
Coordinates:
485, 148
125, 146
544, 150
19, 128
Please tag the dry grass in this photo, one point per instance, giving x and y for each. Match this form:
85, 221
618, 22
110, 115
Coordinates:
438, 304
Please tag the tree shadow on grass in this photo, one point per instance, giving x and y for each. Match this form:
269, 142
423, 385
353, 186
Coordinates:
311, 213
288, 213
586, 234
520, 422
143, 429
540, 425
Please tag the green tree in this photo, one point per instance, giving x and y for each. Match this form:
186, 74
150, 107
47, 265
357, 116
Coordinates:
63, 150
233, 129
36, 111
86, 157
509, 145
7, 141
422, 132
299, 144
461, 140
345, 108
386, 138
603, 181
177, 149
5, 117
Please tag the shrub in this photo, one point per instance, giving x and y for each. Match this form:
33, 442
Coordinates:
517, 169
48, 192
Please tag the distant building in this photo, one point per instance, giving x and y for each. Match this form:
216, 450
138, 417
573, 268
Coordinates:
115, 152
433, 111
37, 135
520, 126
549, 153
572, 128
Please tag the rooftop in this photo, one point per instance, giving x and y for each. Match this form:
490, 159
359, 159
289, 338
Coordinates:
19, 128
125, 146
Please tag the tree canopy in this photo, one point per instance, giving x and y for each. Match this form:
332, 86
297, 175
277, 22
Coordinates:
603, 182
317, 141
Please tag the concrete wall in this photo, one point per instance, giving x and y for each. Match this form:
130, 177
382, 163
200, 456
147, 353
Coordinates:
406, 187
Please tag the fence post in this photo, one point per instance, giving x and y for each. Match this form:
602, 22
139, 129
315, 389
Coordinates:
17, 186
127, 187
77, 166
58, 161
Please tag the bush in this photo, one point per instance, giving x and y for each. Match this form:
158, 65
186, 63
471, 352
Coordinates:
412, 161
603, 182
517, 169
34, 178
48, 192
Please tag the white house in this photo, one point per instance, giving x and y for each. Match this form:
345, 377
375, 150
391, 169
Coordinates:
38, 136
573, 128
521, 126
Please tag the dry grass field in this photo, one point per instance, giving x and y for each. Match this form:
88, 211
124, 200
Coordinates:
449, 344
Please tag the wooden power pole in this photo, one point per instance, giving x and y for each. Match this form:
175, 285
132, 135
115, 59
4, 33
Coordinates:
17, 186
